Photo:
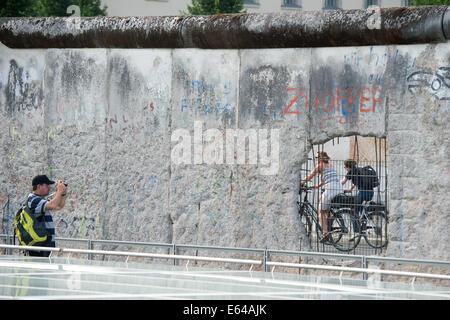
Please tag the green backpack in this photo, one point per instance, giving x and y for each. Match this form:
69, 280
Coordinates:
30, 230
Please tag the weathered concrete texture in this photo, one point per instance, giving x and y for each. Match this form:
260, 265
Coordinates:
205, 87
74, 112
141, 136
273, 88
348, 96
418, 127
326, 28
138, 145
273, 80
22, 118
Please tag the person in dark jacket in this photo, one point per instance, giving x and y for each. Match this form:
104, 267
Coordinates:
364, 193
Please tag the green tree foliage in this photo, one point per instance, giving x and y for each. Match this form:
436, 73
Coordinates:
50, 8
16, 8
430, 3
209, 7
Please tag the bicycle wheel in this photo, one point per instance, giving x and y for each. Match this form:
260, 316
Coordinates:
343, 236
374, 227
307, 224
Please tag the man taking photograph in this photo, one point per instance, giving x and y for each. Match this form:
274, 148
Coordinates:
41, 206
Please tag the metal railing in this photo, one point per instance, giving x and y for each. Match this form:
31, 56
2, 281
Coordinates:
133, 254
265, 261
360, 270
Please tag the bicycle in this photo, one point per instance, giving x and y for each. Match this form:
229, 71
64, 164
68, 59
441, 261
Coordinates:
372, 225
340, 223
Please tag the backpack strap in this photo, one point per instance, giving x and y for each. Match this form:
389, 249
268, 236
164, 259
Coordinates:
24, 204
42, 214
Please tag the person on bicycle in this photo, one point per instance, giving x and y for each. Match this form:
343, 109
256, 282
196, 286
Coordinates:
332, 188
364, 194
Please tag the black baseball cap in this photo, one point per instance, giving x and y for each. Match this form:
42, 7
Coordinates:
42, 179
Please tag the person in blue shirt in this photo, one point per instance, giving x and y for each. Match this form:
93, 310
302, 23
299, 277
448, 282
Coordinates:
40, 205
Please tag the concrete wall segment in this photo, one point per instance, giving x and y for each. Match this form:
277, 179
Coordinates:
22, 114
347, 91
105, 118
274, 88
138, 144
75, 78
205, 87
76, 104
22, 89
418, 135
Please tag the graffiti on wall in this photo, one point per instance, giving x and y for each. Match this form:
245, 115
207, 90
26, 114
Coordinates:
336, 105
437, 83
338, 100
205, 99
147, 118
23, 89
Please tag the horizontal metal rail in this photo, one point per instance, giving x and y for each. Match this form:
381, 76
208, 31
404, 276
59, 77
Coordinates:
364, 260
30, 248
131, 243
317, 254
362, 257
134, 254
189, 246
361, 270
231, 260
435, 263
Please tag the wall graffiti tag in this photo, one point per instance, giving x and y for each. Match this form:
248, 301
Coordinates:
437, 83
349, 100
23, 89
206, 101
144, 121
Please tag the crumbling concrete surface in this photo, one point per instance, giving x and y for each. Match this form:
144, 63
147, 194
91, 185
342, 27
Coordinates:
108, 122
112, 123
327, 28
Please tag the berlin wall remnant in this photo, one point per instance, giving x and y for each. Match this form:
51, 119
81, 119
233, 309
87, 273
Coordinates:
104, 119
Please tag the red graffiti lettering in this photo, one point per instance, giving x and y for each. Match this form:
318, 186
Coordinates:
285, 111
361, 104
350, 100
339, 99
342, 120
111, 120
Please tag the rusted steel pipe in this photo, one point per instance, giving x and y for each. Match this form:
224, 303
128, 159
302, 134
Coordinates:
327, 28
